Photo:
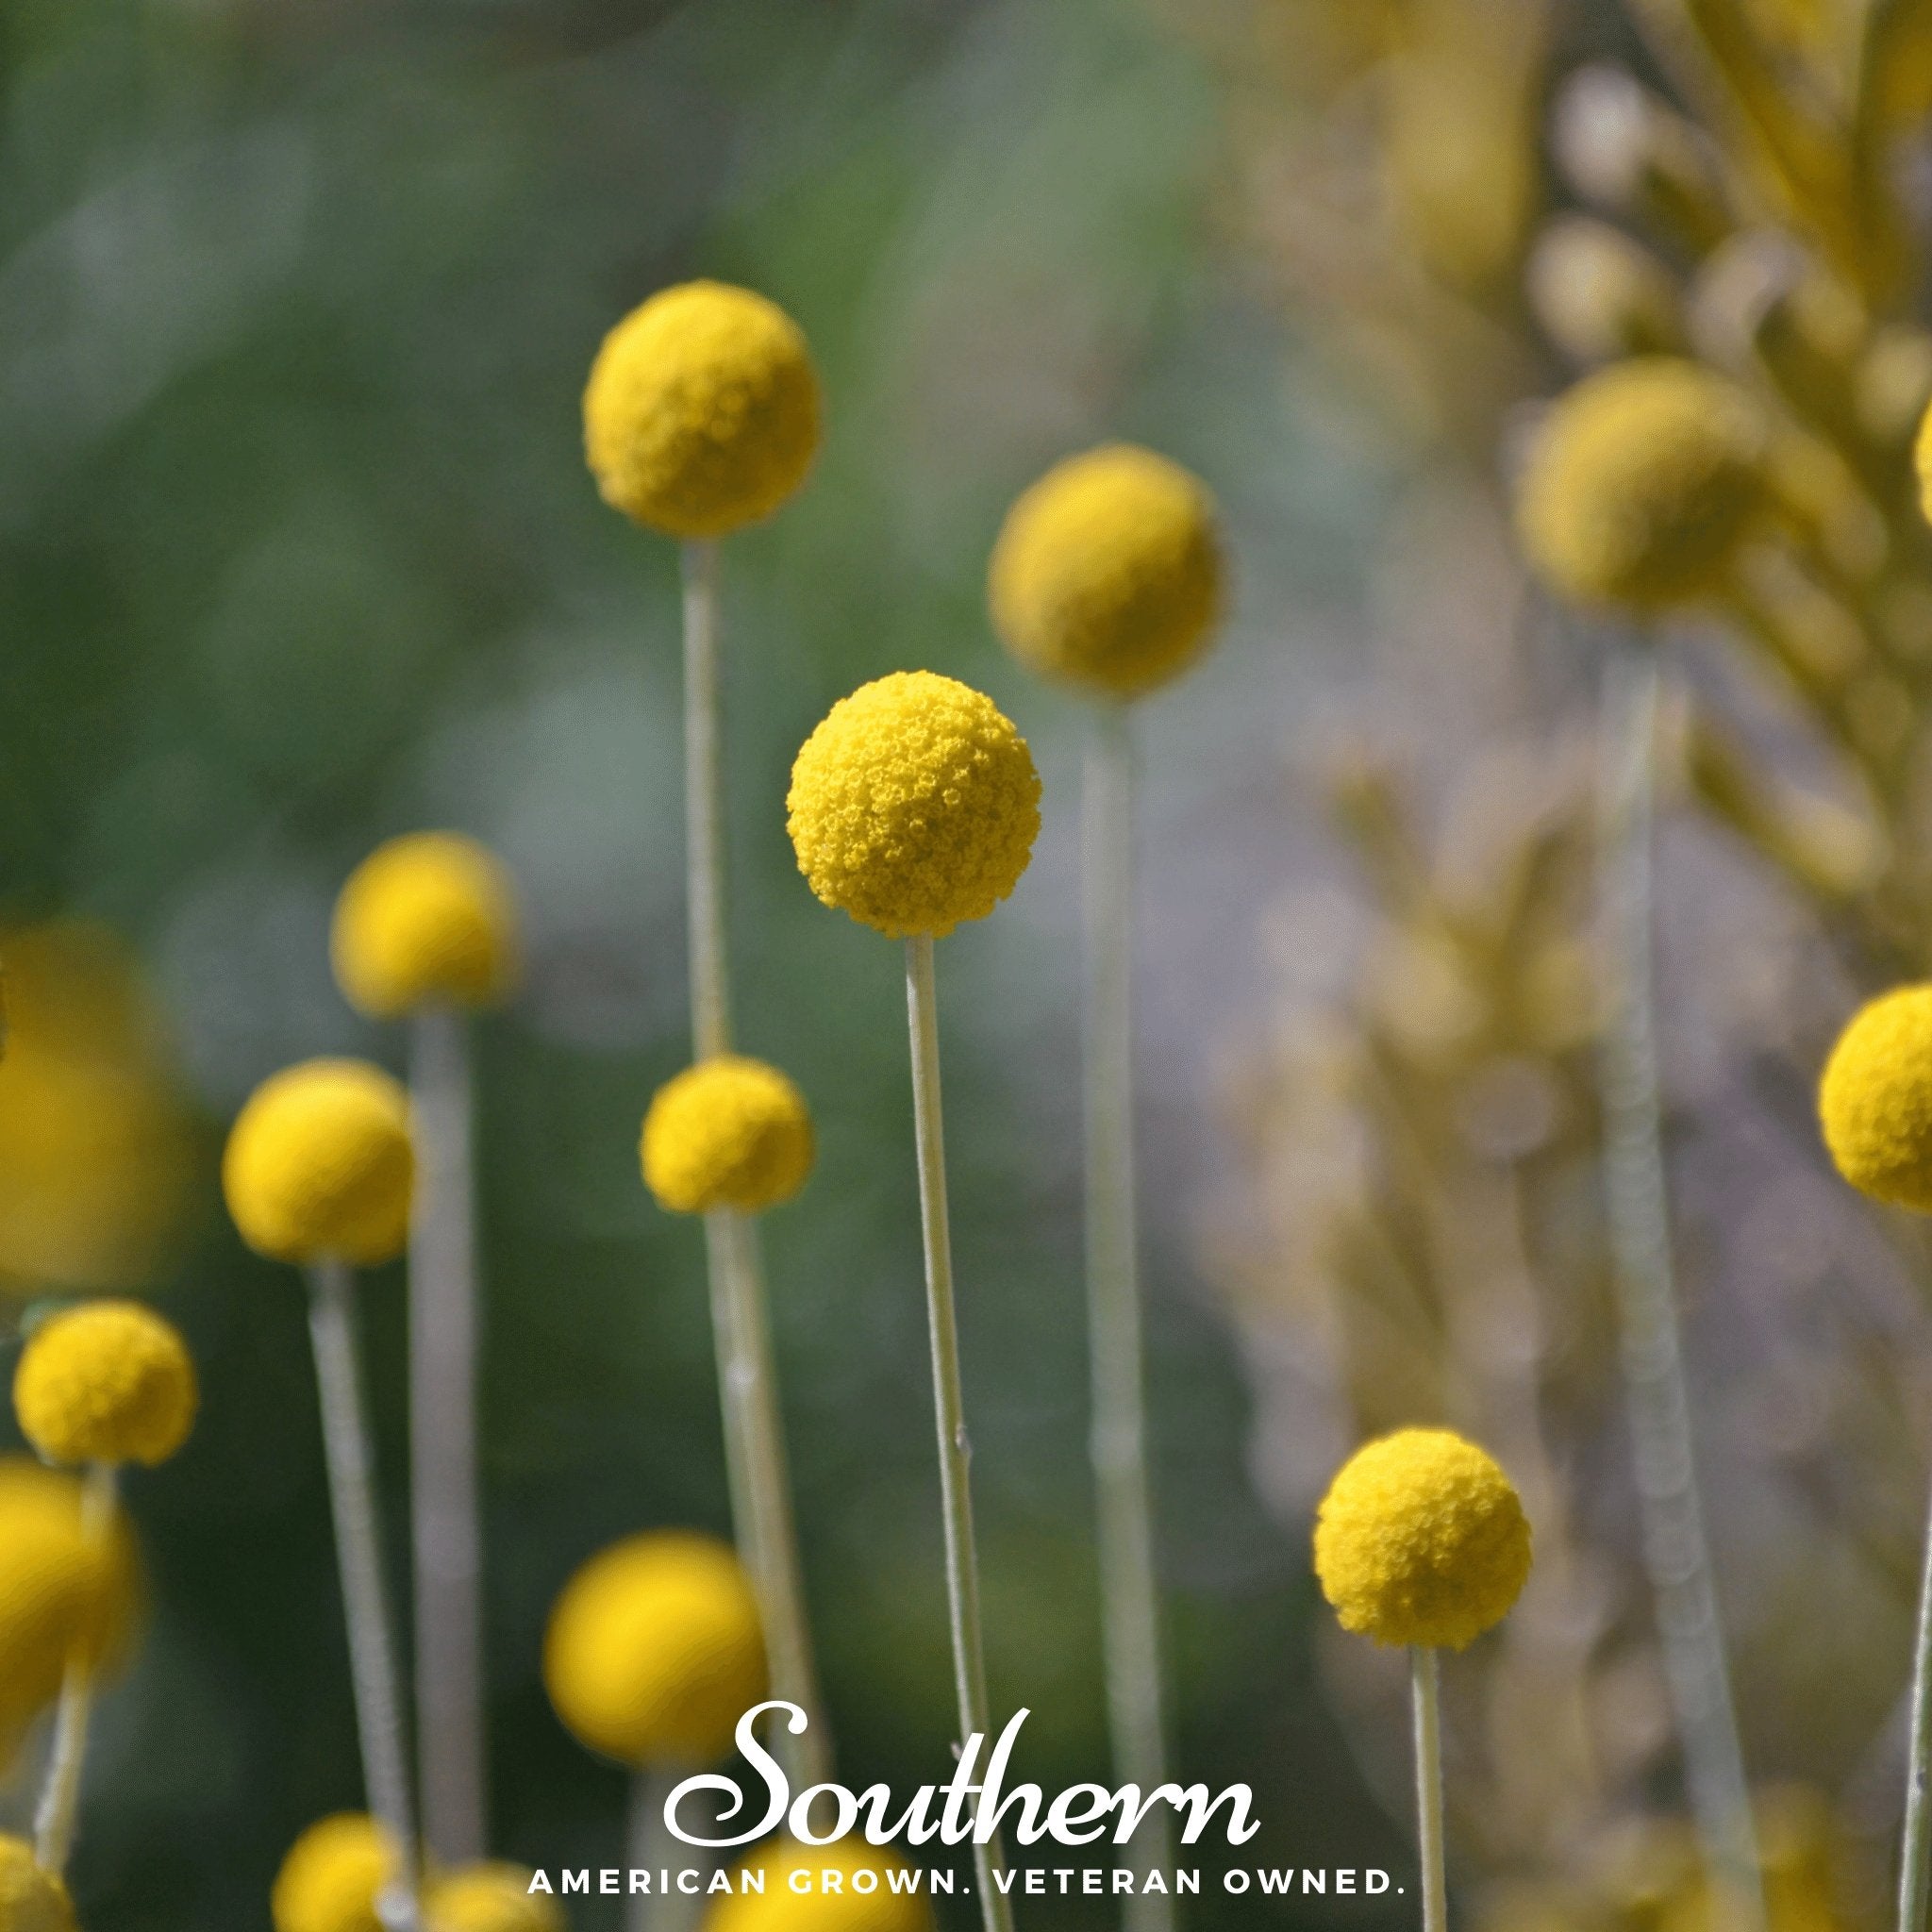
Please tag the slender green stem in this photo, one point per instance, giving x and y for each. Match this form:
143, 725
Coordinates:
1913, 1855
365, 1603
1429, 1786
1676, 1552
955, 1449
704, 806
740, 1329
653, 1848
59, 1812
754, 1438
451, 1760
1130, 1604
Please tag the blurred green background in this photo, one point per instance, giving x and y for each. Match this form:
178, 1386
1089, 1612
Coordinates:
296, 298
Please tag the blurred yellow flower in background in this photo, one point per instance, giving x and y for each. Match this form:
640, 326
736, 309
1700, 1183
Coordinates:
31, 1899
493, 1896
820, 1907
95, 1151
109, 1382
729, 1132
330, 1877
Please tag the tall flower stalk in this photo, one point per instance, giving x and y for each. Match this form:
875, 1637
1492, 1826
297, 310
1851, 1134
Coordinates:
426, 930
914, 807
668, 455
1107, 578
57, 1813
1676, 1551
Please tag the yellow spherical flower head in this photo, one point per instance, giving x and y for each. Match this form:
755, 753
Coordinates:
1422, 1540
914, 805
702, 412
846, 1887
1921, 462
490, 1897
32, 1899
729, 1132
1643, 481
426, 918
1875, 1100
331, 1876
319, 1164
62, 1588
655, 1650
1108, 572
109, 1382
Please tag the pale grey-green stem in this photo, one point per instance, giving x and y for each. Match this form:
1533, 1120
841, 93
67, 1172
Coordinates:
1129, 1588
447, 1541
1676, 1552
1917, 1841
1426, 1698
365, 1600
949, 1407
653, 1848
754, 1429
57, 1814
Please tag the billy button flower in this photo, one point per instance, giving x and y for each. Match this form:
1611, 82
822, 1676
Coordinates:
97, 1386
1421, 1540
1107, 576
425, 931
333, 1874
727, 1133
319, 1171
850, 1889
1875, 1104
702, 415
914, 806
489, 1896
32, 1899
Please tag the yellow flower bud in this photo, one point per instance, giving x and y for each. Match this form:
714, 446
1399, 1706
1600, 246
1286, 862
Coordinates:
850, 1908
1643, 480
729, 1132
32, 1898
491, 1897
424, 918
655, 1650
1108, 572
1422, 1539
1875, 1100
60, 1590
914, 805
702, 412
319, 1164
331, 1875
1921, 462
109, 1382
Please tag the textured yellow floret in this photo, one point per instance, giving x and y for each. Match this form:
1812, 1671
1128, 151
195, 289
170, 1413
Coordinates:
426, 918
702, 412
1643, 481
1875, 1100
491, 1897
1108, 571
779, 1908
331, 1876
111, 1382
319, 1164
61, 1590
729, 1132
1422, 1540
31, 1899
914, 805
655, 1650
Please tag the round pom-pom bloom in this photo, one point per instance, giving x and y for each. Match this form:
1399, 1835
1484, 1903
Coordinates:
424, 918
847, 1888
32, 1899
702, 412
1875, 1100
1422, 1539
61, 1590
729, 1132
109, 1382
1643, 481
1108, 572
332, 1875
490, 1897
655, 1650
319, 1164
1922, 461
914, 805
